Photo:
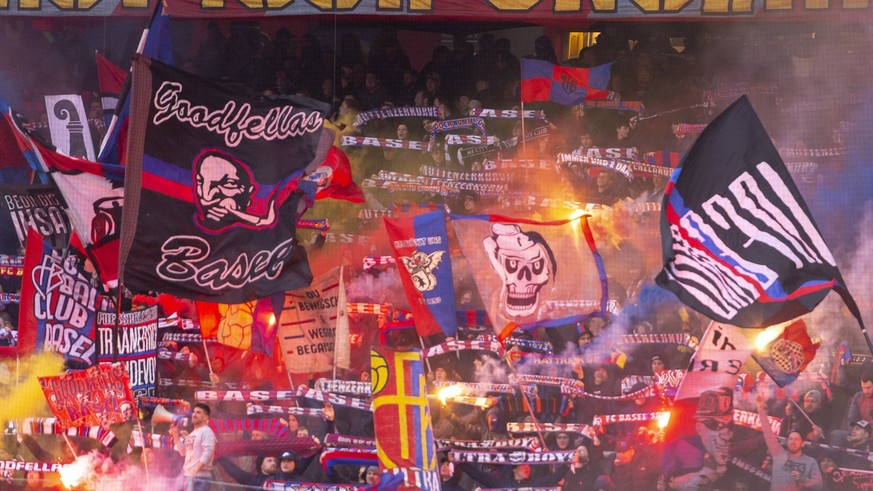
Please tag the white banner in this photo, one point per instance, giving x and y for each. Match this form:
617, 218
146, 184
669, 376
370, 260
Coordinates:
307, 326
68, 125
718, 360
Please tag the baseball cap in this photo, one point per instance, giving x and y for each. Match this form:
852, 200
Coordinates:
288, 455
863, 423
716, 404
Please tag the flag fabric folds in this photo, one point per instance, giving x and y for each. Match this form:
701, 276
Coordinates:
404, 435
156, 43
568, 86
788, 354
421, 251
719, 358
95, 196
212, 191
333, 178
739, 244
533, 273
111, 79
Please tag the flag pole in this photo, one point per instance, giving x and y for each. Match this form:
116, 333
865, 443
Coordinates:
791, 400
521, 137
206, 354
508, 359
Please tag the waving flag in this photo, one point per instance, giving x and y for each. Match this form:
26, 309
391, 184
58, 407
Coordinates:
719, 357
533, 273
334, 178
215, 170
568, 86
111, 79
788, 354
421, 250
404, 437
739, 243
156, 43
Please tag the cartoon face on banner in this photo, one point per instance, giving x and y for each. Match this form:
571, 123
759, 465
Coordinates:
525, 263
697, 461
224, 189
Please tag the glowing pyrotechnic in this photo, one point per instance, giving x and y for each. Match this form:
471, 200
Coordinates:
449, 392
272, 320
578, 213
74, 474
767, 335
663, 420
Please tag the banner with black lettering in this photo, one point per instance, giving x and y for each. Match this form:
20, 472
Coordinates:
37, 206
58, 303
134, 342
307, 325
739, 243
717, 362
97, 396
212, 185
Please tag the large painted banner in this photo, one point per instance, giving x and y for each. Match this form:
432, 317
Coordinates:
532, 11
58, 303
97, 396
133, 341
212, 196
533, 273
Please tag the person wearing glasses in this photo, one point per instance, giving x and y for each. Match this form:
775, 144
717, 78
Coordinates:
697, 461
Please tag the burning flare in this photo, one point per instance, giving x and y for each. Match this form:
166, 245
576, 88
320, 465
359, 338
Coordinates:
449, 392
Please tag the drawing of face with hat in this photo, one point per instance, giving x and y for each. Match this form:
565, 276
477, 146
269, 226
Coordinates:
714, 423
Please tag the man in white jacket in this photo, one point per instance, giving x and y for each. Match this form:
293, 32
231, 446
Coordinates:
198, 448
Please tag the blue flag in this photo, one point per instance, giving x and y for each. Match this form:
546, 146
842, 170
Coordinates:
156, 43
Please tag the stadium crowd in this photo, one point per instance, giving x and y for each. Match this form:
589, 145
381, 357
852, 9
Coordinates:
830, 408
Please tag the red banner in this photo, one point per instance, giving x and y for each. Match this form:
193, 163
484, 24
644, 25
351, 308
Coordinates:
97, 396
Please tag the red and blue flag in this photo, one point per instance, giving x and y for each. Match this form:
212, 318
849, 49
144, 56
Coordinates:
421, 249
568, 86
156, 43
404, 435
788, 354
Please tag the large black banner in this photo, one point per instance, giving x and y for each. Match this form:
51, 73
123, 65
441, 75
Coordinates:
217, 165
40, 207
739, 243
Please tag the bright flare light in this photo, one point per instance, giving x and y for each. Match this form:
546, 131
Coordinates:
663, 420
272, 320
449, 392
578, 213
767, 335
74, 474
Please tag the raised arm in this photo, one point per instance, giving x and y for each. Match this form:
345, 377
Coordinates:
773, 447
